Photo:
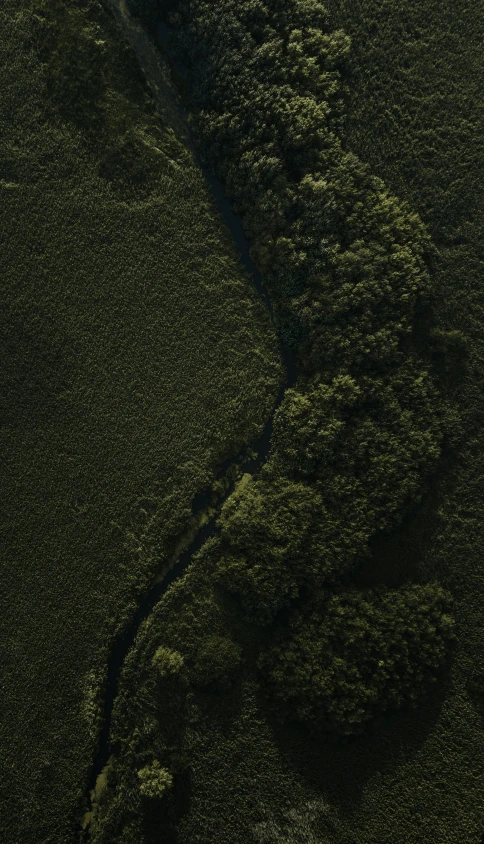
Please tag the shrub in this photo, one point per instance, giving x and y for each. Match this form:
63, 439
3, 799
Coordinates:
154, 781
167, 662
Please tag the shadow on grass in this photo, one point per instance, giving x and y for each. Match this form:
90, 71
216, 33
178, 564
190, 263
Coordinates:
160, 821
397, 556
339, 769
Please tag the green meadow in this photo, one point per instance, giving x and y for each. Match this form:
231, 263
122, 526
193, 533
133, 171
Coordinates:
135, 357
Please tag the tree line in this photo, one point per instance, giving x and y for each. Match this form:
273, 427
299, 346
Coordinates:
347, 266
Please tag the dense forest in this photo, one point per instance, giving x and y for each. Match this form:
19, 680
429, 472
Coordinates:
348, 267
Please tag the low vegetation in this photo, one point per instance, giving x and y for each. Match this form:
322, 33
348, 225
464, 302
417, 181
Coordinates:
135, 357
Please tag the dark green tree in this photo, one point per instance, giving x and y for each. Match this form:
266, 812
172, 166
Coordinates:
350, 656
146, 11
365, 442
217, 664
276, 537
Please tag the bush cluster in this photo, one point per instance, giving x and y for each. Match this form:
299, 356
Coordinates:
353, 655
345, 259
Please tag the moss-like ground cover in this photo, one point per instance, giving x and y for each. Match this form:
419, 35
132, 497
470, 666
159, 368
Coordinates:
135, 356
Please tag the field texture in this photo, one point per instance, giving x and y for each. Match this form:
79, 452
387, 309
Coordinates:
135, 356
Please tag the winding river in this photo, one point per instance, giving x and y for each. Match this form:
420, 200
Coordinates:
158, 77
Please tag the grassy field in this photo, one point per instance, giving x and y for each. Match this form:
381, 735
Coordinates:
135, 356
416, 116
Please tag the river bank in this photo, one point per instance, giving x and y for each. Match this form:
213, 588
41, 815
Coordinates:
246, 463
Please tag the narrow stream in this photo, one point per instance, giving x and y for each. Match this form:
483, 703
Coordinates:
124, 641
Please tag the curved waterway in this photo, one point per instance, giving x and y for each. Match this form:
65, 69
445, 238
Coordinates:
152, 64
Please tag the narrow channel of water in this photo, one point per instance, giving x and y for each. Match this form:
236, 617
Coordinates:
125, 640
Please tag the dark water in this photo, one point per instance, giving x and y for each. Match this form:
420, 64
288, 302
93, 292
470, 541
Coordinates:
124, 641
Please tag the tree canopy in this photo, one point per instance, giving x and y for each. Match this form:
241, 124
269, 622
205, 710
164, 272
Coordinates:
353, 655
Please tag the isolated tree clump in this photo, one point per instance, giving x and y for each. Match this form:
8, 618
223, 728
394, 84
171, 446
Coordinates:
276, 537
167, 661
154, 781
353, 655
